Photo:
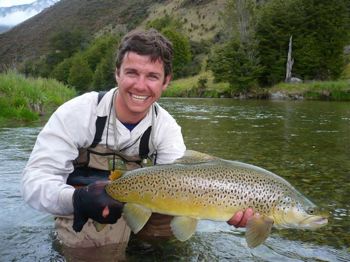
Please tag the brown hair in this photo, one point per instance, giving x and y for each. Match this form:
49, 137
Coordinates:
150, 43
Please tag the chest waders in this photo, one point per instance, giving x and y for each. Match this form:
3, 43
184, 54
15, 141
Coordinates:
97, 161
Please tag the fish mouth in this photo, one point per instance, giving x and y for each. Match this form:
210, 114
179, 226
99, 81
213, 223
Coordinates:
314, 222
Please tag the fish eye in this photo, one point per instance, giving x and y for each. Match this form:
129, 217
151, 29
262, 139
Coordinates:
311, 211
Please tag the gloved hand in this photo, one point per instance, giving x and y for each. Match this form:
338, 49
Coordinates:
93, 202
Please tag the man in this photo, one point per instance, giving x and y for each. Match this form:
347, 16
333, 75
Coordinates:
93, 135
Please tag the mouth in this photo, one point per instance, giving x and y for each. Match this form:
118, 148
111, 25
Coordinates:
139, 97
315, 222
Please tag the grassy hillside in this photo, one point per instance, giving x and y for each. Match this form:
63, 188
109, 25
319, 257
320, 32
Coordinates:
202, 19
30, 39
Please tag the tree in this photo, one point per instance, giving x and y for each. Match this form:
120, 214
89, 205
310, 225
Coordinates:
275, 24
101, 48
182, 51
63, 44
237, 61
230, 63
97, 60
66, 42
290, 61
319, 30
172, 29
61, 71
325, 31
104, 77
80, 74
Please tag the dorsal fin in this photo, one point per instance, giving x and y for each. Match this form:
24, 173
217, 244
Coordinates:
192, 156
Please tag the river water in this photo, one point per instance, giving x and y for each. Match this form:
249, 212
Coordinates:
306, 142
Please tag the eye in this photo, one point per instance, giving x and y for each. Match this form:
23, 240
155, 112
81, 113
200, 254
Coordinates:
311, 211
153, 77
130, 73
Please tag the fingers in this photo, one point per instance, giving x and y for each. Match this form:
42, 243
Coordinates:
234, 221
247, 214
241, 217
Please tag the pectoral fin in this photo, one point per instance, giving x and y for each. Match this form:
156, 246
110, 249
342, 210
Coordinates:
183, 227
114, 175
258, 229
136, 216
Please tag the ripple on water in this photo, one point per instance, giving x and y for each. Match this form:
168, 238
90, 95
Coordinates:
300, 141
226, 246
24, 243
219, 242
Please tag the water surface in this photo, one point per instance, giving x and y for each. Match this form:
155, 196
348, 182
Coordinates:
306, 142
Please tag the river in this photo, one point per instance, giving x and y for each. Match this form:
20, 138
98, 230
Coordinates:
306, 142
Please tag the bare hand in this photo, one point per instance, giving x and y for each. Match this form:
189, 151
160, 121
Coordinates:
240, 218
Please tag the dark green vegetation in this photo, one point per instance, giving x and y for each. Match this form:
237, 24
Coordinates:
256, 52
25, 99
231, 48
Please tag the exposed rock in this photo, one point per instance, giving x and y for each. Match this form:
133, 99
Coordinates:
295, 80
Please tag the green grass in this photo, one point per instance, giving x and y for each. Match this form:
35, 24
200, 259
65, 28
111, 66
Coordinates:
313, 90
190, 87
26, 99
316, 90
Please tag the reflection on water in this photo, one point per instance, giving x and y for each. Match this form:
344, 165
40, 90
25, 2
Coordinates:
219, 242
308, 143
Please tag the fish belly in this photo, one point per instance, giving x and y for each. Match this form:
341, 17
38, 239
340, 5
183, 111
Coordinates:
180, 205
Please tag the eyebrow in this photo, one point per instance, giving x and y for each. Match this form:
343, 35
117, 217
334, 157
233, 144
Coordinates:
130, 69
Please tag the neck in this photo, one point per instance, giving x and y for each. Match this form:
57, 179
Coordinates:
124, 115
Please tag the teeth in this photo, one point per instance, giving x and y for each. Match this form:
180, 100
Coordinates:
139, 97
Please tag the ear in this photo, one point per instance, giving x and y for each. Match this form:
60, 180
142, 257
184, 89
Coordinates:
166, 82
116, 74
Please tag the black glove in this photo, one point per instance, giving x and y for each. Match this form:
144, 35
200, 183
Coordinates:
90, 202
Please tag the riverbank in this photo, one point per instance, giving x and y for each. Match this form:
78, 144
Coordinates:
204, 86
313, 90
27, 99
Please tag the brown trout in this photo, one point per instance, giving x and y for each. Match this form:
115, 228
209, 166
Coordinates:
213, 189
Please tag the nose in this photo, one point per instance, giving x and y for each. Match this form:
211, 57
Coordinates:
140, 83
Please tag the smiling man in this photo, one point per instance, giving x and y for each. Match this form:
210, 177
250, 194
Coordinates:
98, 134
141, 83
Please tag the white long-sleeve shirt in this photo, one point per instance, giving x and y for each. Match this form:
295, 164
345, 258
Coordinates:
71, 127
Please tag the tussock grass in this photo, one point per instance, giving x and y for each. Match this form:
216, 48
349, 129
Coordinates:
313, 90
26, 99
316, 90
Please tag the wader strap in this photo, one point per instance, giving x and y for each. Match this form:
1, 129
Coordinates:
144, 148
156, 109
100, 123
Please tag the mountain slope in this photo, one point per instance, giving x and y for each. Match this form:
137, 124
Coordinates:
4, 28
13, 15
31, 38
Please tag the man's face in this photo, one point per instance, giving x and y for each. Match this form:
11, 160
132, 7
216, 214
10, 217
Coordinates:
141, 83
